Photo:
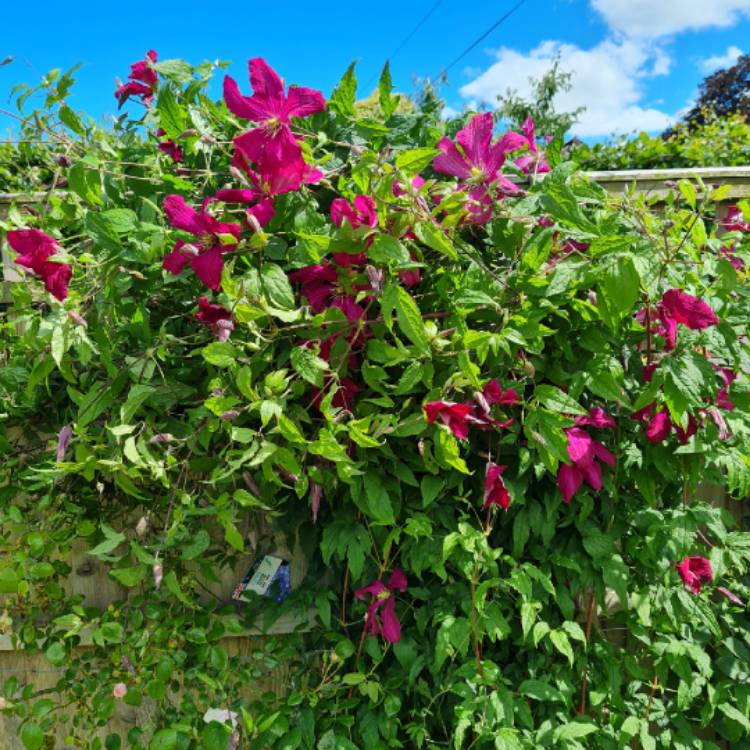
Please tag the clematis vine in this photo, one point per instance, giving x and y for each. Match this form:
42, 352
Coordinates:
478, 163
142, 81
271, 145
734, 220
584, 453
495, 491
216, 317
212, 239
695, 571
381, 616
34, 249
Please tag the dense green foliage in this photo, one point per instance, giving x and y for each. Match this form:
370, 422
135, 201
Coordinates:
717, 142
544, 625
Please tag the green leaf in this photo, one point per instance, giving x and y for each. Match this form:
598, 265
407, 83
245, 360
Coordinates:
196, 545
562, 644
345, 94
386, 248
414, 160
387, 102
276, 287
112, 541
176, 70
435, 239
164, 739
57, 345
56, 654
619, 290
233, 537
430, 487
8, 581
540, 691
615, 575
575, 730
129, 577
378, 504
84, 180
215, 736
172, 116
410, 320
558, 401
32, 736
220, 354
69, 118
308, 366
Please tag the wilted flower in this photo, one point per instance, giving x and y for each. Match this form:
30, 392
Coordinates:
63, 439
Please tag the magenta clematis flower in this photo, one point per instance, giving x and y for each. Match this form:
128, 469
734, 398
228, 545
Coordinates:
272, 143
455, 416
677, 307
398, 191
533, 161
688, 310
216, 317
142, 81
596, 417
169, 147
734, 221
34, 249
478, 164
583, 452
495, 491
659, 425
694, 571
383, 597
213, 239
361, 214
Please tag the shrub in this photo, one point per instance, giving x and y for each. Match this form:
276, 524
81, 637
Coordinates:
482, 412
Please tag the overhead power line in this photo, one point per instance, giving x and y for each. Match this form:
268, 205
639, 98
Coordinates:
485, 34
419, 25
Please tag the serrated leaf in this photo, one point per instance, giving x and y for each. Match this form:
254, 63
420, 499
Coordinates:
412, 161
345, 94
172, 116
410, 321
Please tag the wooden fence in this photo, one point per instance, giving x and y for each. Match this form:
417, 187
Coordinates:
90, 578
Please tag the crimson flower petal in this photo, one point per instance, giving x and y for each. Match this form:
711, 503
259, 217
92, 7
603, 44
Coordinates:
208, 266
182, 216
569, 480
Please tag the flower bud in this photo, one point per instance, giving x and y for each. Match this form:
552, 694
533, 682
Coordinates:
158, 571
189, 133
141, 528
229, 415
375, 276
161, 437
77, 318
119, 690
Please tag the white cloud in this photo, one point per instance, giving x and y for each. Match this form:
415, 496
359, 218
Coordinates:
607, 80
655, 18
717, 62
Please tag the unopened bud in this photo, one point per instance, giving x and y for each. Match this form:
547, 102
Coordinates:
141, 528
119, 690
189, 133
250, 483
158, 573
238, 174
209, 139
375, 276
161, 437
229, 415
420, 447
77, 318
127, 664
63, 160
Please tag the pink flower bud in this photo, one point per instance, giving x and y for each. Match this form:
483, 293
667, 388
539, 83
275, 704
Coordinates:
158, 573
141, 527
316, 492
228, 416
62, 442
77, 318
119, 690
161, 437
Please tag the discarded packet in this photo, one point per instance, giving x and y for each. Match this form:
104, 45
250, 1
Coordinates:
269, 576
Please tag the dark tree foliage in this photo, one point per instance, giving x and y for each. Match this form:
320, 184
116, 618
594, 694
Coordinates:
724, 92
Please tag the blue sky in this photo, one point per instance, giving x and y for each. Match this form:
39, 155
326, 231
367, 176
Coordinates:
636, 63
